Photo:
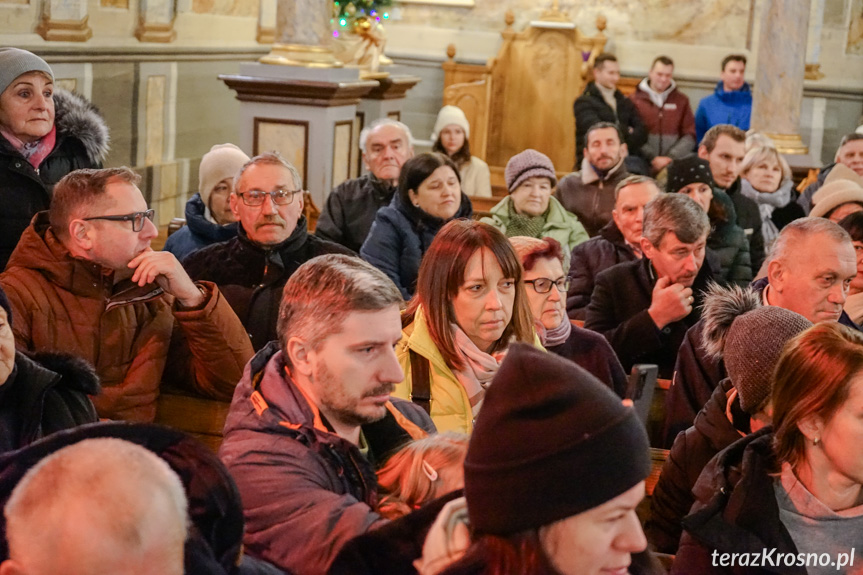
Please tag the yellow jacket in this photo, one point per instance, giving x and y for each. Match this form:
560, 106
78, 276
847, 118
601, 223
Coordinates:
450, 405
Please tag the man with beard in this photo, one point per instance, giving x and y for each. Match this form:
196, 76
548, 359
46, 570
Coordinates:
312, 415
589, 193
272, 242
644, 307
83, 280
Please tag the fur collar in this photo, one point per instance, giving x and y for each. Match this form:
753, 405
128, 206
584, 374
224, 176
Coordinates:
75, 372
78, 118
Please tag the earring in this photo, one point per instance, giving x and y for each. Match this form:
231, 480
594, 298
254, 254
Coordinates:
416, 204
816, 441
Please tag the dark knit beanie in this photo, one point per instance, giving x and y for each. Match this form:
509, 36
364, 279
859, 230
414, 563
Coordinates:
4, 303
528, 164
688, 170
550, 442
749, 337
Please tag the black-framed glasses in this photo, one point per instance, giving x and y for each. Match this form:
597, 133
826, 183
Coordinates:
543, 285
136, 218
279, 197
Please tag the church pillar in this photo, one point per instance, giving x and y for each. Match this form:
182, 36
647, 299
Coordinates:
302, 32
779, 78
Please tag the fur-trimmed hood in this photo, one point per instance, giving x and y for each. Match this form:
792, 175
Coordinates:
76, 373
75, 116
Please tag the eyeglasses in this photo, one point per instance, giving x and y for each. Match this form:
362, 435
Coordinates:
137, 219
543, 285
258, 197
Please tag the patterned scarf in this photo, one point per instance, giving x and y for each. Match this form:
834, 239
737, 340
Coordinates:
524, 225
767, 202
34, 152
558, 335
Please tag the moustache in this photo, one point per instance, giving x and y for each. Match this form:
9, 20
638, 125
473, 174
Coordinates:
270, 220
383, 389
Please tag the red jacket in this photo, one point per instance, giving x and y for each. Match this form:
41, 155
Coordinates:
671, 129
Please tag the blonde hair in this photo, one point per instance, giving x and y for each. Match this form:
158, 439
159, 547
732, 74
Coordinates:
758, 154
413, 476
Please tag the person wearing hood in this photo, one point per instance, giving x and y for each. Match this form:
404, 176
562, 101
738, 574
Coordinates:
429, 195
451, 137
272, 242
766, 178
530, 209
666, 114
749, 336
731, 103
791, 494
209, 219
45, 133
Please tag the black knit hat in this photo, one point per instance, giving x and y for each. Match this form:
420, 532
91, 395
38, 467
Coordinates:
688, 170
550, 442
4, 303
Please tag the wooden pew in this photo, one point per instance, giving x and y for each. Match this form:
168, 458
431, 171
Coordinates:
198, 416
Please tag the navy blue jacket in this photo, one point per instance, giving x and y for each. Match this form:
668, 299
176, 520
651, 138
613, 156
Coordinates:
400, 236
199, 232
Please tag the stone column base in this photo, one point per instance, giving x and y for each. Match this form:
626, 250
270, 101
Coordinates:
265, 35
789, 143
301, 55
64, 30
152, 32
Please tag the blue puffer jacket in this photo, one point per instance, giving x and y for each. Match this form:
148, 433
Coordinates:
199, 232
400, 236
723, 107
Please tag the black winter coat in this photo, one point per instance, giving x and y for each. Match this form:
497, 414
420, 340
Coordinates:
199, 232
748, 218
588, 260
590, 108
45, 394
214, 543
618, 310
692, 450
399, 238
252, 277
592, 352
728, 241
350, 210
82, 142
735, 511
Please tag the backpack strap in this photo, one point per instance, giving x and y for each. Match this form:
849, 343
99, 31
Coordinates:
420, 381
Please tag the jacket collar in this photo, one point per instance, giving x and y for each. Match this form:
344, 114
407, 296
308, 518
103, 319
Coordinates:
293, 242
383, 191
201, 226
590, 176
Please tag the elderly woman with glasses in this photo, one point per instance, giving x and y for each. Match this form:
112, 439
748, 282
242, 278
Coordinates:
546, 285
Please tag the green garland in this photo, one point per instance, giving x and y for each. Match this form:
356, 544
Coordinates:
354, 8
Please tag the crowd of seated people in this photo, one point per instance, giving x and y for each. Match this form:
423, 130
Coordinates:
413, 387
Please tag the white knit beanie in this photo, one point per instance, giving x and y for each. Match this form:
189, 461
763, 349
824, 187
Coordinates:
450, 115
222, 161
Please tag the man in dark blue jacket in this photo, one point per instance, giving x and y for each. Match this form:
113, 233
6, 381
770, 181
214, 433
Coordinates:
731, 103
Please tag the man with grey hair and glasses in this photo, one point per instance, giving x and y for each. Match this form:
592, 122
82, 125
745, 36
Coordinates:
644, 307
312, 416
809, 272
350, 208
272, 242
84, 280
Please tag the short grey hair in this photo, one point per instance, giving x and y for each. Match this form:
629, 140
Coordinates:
674, 213
323, 291
793, 233
269, 159
633, 180
119, 482
364, 135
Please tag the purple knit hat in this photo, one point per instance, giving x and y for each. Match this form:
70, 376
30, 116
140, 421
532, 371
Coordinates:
528, 164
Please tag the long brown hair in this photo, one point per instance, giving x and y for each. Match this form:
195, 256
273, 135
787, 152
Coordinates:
812, 379
441, 275
460, 156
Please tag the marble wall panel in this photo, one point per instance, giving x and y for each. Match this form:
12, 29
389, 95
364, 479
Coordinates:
342, 148
855, 29
154, 114
289, 138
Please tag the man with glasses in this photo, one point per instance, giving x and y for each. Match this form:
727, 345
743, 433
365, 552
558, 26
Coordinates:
84, 280
644, 307
272, 242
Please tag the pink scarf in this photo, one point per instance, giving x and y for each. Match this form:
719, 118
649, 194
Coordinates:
479, 370
34, 152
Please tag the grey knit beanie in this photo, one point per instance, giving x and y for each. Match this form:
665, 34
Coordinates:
14, 62
749, 337
528, 164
